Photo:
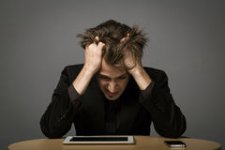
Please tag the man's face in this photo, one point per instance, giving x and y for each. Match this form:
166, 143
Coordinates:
112, 80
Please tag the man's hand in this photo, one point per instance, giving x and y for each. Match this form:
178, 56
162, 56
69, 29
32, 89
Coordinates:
92, 63
130, 62
93, 56
135, 68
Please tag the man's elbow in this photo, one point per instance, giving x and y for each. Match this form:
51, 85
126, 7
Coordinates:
174, 131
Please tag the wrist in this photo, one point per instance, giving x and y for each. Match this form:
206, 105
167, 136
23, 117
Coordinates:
88, 69
141, 77
136, 71
82, 80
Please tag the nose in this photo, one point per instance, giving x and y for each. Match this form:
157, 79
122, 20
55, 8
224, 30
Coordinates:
112, 85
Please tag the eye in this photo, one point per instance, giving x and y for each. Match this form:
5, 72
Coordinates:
101, 77
123, 77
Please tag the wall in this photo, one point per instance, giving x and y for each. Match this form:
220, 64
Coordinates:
38, 38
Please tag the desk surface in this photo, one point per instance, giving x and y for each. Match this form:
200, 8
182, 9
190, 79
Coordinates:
142, 143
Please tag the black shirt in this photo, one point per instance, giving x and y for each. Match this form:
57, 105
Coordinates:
112, 109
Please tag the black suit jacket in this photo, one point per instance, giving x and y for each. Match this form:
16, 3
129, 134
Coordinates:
138, 109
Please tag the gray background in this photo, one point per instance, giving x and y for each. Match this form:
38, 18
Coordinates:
38, 38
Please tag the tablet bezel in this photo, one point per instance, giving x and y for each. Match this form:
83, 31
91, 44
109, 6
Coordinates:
130, 140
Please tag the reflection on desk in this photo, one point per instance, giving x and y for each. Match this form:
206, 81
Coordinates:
142, 143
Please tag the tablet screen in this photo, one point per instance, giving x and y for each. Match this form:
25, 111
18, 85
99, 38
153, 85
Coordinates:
99, 139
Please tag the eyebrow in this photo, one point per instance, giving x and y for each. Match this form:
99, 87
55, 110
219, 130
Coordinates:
105, 76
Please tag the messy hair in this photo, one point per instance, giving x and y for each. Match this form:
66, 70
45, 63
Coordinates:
117, 38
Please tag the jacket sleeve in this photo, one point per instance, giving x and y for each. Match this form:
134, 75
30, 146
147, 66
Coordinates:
167, 117
58, 118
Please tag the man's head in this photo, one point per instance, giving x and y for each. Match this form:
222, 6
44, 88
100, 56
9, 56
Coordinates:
119, 39
112, 80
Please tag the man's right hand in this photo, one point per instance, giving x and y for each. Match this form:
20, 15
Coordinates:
93, 56
92, 63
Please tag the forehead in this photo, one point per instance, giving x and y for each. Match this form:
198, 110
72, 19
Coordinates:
112, 71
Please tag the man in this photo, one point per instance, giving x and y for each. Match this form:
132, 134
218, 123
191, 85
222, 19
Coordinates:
112, 93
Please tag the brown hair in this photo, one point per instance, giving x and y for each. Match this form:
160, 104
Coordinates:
117, 38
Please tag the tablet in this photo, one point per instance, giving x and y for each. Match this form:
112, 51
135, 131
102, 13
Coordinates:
99, 140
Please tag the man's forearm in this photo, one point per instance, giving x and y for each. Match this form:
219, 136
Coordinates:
158, 101
141, 77
83, 79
